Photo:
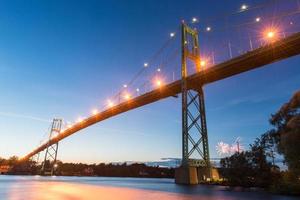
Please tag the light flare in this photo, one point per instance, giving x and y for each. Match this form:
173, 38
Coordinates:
127, 96
79, 120
110, 103
194, 20
244, 7
95, 111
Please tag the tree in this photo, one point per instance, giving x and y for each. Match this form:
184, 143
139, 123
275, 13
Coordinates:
286, 133
249, 168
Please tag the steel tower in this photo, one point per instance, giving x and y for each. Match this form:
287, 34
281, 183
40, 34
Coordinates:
49, 164
194, 129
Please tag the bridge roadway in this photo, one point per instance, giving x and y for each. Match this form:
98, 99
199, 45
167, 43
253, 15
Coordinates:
262, 56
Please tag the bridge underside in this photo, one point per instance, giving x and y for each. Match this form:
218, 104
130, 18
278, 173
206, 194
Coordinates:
276, 51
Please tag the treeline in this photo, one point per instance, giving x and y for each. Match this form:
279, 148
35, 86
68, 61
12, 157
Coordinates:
114, 170
256, 167
80, 169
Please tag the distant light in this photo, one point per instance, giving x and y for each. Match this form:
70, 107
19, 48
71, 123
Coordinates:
79, 120
194, 20
95, 111
145, 64
270, 34
110, 103
127, 96
202, 63
291, 23
158, 82
208, 28
55, 134
55, 165
172, 35
158, 69
125, 86
137, 89
69, 125
244, 7
257, 19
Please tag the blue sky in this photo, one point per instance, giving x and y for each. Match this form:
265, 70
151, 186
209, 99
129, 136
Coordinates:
63, 58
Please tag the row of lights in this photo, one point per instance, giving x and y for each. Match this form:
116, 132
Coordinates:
126, 96
158, 82
244, 7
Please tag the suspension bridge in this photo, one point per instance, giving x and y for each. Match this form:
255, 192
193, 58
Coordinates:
271, 42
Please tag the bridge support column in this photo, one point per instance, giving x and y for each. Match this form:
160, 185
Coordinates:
194, 129
49, 163
186, 175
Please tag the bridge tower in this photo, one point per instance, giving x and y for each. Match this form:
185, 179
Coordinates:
195, 166
49, 163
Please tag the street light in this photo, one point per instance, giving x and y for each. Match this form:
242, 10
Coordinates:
95, 111
127, 96
244, 7
79, 120
110, 103
202, 63
270, 34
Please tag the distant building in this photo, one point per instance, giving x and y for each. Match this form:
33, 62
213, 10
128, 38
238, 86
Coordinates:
4, 169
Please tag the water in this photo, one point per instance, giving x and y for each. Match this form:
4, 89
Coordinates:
77, 188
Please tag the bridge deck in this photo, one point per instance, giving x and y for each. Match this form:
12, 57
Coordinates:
274, 52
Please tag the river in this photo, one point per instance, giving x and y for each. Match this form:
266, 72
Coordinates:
107, 188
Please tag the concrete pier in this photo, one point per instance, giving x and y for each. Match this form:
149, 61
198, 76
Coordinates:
186, 175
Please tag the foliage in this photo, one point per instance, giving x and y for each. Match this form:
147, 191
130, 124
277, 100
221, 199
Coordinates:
286, 133
248, 168
251, 168
80, 169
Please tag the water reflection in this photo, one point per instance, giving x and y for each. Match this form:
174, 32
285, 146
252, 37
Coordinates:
77, 188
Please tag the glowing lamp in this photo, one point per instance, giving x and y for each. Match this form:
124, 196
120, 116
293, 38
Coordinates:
127, 96
110, 103
244, 7
270, 34
55, 134
202, 63
95, 111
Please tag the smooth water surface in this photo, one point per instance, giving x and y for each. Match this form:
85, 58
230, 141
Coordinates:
77, 188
